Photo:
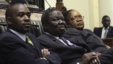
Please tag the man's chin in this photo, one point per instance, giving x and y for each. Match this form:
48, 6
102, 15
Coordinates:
80, 28
24, 31
62, 31
27, 30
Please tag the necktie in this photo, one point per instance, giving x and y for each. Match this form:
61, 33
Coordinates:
67, 42
29, 41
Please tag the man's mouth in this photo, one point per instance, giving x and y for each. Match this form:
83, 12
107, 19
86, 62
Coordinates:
28, 25
62, 26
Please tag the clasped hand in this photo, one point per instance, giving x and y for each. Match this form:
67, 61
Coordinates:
90, 58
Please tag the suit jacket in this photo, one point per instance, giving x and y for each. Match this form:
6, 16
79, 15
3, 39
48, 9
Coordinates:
68, 54
107, 57
14, 50
87, 37
98, 32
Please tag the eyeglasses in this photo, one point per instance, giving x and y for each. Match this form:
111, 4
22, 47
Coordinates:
76, 17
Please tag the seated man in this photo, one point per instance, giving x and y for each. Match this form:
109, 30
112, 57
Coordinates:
76, 32
19, 47
54, 27
106, 31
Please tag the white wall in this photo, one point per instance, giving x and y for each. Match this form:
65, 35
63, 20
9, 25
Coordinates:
106, 8
93, 14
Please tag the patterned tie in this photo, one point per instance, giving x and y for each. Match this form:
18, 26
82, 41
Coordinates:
28, 40
65, 41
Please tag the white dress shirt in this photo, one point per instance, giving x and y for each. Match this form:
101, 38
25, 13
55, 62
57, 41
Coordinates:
22, 36
103, 32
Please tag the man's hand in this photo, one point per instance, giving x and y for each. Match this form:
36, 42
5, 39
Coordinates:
45, 52
90, 58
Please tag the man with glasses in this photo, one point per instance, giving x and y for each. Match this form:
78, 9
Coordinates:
76, 32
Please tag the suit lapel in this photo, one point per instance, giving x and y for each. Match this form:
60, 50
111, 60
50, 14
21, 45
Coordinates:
100, 32
28, 46
109, 31
36, 45
16, 36
54, 39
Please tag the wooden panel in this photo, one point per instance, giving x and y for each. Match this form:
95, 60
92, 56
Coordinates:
108, 41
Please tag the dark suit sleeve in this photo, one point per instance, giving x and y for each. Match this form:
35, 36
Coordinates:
14, 53
94, 30
53, 58
95, 42
107, 57
97, 31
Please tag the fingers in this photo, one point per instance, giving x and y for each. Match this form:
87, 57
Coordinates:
90, 58
45, 52
95, 61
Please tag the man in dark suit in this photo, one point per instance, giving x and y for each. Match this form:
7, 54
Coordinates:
70, 53
19, 47
106, 31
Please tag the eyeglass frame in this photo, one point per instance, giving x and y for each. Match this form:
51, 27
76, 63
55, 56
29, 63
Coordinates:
76, 17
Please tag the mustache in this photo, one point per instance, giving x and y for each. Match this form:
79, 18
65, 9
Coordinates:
27, 23
64, 24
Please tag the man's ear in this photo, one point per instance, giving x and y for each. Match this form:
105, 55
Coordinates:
8, 19
45, 27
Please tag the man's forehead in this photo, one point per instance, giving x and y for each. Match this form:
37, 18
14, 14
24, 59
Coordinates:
55, 12
20, 8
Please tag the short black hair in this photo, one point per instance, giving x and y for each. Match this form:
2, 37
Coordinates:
45, 16
104, 17
13, 2
8, 12
66, 14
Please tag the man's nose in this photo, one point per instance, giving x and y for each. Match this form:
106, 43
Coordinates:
26, 17
61, 21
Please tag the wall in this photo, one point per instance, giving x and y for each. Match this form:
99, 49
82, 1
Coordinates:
106, 8
93, 14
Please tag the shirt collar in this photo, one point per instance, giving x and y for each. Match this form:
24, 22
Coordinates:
22, 36
106, 28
